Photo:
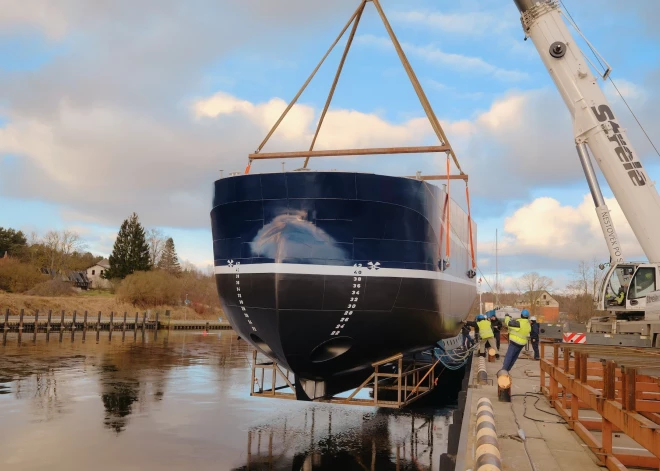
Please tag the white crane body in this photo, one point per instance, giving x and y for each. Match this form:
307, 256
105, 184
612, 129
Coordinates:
596, 127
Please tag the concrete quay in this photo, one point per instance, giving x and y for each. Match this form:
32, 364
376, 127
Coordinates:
548, 444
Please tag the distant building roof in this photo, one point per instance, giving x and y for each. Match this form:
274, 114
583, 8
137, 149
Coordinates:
105, 263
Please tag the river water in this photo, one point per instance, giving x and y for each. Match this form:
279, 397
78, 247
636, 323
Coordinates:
181, 401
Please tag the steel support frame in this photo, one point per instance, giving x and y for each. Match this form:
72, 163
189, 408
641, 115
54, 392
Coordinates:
614, 389
412, 381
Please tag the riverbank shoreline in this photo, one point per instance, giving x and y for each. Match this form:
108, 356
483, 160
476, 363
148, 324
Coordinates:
94, 303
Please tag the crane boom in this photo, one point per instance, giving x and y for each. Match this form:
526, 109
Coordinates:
595, 125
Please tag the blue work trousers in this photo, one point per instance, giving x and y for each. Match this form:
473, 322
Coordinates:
512, 354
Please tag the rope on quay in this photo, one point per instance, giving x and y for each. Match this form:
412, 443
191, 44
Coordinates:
454, 359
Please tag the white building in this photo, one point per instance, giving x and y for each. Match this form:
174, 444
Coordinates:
95, 275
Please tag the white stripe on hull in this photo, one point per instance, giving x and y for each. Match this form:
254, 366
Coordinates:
335, 270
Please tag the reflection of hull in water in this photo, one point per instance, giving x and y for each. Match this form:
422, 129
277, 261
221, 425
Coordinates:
328, 272
330, 441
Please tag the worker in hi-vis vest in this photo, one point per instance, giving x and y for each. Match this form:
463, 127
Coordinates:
486, 336
519, 331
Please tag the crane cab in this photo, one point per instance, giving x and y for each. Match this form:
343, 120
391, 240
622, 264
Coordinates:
625, 288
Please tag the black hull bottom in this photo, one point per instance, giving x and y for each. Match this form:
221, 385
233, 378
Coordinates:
331, 329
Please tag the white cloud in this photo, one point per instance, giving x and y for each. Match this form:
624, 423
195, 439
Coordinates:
102, 163
523, 141
437, 56
42, 15
465, 22
341, 128
546, 228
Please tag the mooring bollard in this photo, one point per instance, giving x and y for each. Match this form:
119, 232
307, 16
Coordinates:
504, 384
482, 374
491, 354
488, 450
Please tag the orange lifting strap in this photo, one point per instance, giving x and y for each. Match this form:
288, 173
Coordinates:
467, 197
247, 169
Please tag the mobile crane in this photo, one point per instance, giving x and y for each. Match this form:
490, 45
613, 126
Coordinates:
629, 291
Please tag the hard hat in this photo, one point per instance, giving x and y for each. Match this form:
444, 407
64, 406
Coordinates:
481, 317
524, 314
533, 318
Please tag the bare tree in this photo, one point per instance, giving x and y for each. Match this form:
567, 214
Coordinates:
156, 240
531, 286
587, 278
59, 246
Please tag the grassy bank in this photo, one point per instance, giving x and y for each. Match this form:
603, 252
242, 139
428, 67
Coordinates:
93, 302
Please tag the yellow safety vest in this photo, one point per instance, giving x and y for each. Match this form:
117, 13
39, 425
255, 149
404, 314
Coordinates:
485, 330
519, 335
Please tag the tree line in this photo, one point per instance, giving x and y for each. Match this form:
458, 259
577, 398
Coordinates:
576, 300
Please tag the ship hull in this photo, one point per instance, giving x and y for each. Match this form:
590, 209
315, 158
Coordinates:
328, 272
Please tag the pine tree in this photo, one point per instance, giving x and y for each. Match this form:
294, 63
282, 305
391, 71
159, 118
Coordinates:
168, 259
12, 242
130, 252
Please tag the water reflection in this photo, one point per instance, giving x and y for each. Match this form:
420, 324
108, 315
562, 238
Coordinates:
181, 401
380, 440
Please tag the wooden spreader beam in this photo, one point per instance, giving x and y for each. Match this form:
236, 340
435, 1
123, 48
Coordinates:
349, 152
463, 177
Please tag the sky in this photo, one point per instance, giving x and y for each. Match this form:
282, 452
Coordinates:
107, 108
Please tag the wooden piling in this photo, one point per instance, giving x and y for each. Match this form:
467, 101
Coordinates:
62, 322
84, 326
207, 326
112, 319
20, 321
157, 321
6, 324
123, 326
73, 323
98, 322
144, 322
50, 315
36, 325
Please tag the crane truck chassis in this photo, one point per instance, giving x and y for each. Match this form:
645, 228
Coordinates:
629, 290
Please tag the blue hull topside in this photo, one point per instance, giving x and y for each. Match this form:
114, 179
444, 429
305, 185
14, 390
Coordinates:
288, 248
